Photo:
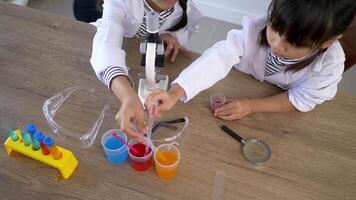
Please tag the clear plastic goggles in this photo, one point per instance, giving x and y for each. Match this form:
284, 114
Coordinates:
169, 131
51, 106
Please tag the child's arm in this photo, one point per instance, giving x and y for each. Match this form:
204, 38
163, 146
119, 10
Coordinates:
108, 62
108, 57
237, 109
212, 66
131, 107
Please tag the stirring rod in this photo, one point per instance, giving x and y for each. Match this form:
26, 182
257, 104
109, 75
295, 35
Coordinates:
124, 142
150, 126
159, 154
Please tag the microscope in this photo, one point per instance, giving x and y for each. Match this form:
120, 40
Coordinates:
152, 59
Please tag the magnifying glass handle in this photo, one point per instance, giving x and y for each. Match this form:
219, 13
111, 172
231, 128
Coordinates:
233, 134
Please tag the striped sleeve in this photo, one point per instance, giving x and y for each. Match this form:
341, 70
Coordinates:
111, 72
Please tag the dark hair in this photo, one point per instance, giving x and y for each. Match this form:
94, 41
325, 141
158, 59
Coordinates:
99, 5
183, 20
308, 23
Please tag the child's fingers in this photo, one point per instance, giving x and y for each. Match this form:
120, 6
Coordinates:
169, 49
155, 97
125, 127
160, 106
117, 117
175, 53
226, 112
140, 122
149, 104
158, 110
229, 117
150, 101
225, 107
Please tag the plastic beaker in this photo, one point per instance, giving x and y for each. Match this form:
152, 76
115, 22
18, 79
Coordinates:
167, 169
140, 161
116, 152
216, 101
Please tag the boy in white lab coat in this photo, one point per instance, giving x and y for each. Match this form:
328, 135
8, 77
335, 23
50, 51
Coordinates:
295, 47
127, 18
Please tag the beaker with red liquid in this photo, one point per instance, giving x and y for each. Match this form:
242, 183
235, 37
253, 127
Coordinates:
140, 160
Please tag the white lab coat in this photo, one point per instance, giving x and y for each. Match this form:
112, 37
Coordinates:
122, 18
308, 87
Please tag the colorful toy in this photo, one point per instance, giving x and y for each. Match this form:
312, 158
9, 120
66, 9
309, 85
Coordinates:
39, 137
66, 163
25, 136
12, 134
49, 142
31, 129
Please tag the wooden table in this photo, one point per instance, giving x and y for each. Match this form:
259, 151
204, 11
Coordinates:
313, 154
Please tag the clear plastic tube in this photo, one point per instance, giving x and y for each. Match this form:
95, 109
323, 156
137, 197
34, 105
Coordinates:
150, 126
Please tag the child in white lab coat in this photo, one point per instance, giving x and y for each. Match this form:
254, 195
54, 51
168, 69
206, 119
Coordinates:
295, 47
127, 18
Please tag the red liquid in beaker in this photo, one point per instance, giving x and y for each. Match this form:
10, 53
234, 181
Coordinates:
143, 160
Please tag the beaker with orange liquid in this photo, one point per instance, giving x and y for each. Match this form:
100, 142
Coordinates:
167, 168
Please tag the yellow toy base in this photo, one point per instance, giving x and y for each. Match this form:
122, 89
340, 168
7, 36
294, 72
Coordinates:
66, 164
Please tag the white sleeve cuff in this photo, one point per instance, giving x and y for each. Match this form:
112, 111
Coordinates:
184, 98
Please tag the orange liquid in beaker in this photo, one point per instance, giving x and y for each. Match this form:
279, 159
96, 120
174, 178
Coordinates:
166, 171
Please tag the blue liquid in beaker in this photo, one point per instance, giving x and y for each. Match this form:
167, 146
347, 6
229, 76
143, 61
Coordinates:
115, 151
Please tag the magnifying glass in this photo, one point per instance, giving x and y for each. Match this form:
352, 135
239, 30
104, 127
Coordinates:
254, 151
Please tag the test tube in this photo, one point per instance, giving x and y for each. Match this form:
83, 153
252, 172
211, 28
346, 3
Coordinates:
26, 137
12, 134
48, 140
39, 137
31, 129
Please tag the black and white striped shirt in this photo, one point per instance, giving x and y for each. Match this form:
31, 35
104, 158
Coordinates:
277, 64
112, 71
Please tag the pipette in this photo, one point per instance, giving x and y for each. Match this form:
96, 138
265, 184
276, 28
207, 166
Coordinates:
150, 126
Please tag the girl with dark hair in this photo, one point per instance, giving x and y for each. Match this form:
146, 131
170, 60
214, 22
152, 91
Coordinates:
87, 10
295, 47
127, 18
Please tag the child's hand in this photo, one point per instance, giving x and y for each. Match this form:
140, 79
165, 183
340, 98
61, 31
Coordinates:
166, 99
235, 109
131, 111
173, 47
